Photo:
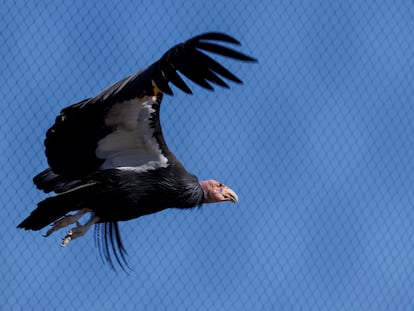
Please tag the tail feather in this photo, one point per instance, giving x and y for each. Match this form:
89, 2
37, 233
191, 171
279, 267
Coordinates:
53, 208
47, 211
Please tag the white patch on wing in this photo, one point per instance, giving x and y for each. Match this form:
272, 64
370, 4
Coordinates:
131, 145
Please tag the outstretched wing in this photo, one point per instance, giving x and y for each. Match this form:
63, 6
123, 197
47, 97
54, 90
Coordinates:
120, 127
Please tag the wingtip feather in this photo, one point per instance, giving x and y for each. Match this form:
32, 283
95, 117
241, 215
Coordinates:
217, 36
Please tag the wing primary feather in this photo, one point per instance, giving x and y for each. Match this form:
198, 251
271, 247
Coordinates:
217, 36
110, 244
211, 76
114, 237
160, 79
119, 242
97, 235
106, 247
98, 242
122, 250
190, 66
175, 79
196, 78
216, 67
111, 239
221, 50
188, 59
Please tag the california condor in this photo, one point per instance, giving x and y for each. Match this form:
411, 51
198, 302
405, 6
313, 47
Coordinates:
108, 157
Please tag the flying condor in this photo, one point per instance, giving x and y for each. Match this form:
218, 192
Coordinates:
108, 157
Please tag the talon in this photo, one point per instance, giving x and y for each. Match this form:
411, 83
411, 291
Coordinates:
65, 241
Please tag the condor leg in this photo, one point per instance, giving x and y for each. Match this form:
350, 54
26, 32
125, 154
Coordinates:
67, 220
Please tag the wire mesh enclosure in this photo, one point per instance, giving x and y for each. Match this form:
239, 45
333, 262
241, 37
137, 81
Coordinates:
317, 142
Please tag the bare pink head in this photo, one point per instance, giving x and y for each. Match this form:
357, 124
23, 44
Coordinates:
215, 191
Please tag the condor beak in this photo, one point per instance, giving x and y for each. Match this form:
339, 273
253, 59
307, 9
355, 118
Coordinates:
215, 191
230, 195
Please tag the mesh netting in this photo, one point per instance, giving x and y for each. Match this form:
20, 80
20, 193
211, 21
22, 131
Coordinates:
318, 143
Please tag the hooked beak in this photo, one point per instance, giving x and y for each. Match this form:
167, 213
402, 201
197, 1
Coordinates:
230, 195
215, 191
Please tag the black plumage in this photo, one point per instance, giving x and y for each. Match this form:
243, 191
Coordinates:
108, 157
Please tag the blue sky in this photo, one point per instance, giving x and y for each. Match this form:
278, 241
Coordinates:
317, 142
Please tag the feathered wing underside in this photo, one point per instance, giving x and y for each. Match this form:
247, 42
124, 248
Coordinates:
133, 142
121, 124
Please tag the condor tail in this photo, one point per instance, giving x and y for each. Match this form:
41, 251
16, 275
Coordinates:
53, 208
